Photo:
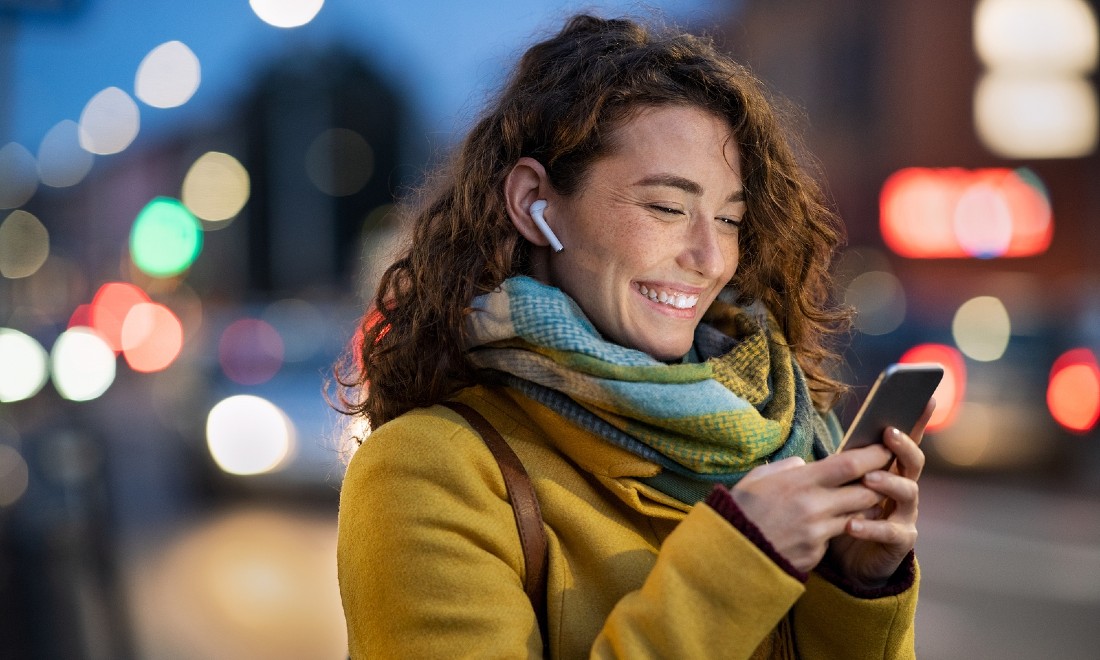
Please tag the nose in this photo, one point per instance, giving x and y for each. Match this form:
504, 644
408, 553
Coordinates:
706, 251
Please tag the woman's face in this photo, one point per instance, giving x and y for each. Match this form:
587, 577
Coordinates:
651, 236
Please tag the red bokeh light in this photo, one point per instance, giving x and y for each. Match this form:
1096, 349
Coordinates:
152, 337
110, 306
1073, 392
953, 212
952, 388
81, 317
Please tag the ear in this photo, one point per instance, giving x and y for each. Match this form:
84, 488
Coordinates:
526, 183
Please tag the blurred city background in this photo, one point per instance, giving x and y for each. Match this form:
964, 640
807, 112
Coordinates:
195, 201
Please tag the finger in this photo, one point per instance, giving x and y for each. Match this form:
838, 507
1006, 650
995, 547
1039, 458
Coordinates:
847, 501
888, 533
918, 430
849, 465
910, 457
902, 493
767, 469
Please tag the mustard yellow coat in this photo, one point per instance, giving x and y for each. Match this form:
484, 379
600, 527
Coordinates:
430, 562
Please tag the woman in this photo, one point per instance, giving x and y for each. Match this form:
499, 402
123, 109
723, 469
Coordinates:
663, 378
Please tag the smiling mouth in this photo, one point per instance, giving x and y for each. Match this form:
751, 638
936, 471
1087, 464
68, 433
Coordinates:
670, 298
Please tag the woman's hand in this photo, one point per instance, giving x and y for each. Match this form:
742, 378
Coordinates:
876, 542
800, 507
846, 504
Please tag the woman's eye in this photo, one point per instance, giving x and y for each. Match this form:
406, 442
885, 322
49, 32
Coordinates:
729, 224
665, 209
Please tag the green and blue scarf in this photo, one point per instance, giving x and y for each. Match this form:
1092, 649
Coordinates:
742, 403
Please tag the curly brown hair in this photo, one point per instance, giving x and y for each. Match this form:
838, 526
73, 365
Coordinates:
561, 106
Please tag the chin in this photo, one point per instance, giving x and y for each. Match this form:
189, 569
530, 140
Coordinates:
667, 353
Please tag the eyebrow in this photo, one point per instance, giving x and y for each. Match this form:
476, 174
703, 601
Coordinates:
687, 185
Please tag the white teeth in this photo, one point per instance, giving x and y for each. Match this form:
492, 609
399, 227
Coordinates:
677, 300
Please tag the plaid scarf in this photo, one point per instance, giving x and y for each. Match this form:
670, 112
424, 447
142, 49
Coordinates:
744, 403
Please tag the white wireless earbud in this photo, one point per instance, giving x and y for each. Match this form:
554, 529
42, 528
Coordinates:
537, 208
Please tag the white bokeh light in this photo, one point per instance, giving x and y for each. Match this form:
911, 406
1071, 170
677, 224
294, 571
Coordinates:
216, 187
62, 162
82, 364
23, 366
286, 13
168, 76
1026, 116
248, 435
109, 123
1037, 35
879, 300
982, 328
18, 176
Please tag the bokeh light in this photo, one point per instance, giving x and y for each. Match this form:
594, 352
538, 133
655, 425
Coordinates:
339, 162
152, 337
14, 475
971, 439
982, 328
248, 434
216, 187
110, 306
82, 364
109, 123
943, 213
23, 366
250, 351
879, 301
62, 162
168, 76
18, 176
286, 13
1073, 392
24, 245
241, 582
1036, 117
983, 221
1034, 35
952, 388
165, 239
1035, 99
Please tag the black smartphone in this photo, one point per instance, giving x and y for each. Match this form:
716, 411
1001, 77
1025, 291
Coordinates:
897, 399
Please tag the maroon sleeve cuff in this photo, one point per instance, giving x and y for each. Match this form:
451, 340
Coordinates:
899, 582
721, 500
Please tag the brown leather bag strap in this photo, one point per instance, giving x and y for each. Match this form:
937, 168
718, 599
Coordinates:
525, 506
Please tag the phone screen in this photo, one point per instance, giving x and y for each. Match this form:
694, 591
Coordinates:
897, 399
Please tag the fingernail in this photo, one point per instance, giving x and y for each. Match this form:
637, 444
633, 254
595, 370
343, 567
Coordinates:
873, 476
857, 526
895, 434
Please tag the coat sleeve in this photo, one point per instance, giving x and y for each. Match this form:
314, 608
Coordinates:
828, 618
710, 589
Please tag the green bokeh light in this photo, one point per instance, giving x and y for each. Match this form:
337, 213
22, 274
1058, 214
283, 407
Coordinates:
166, 238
